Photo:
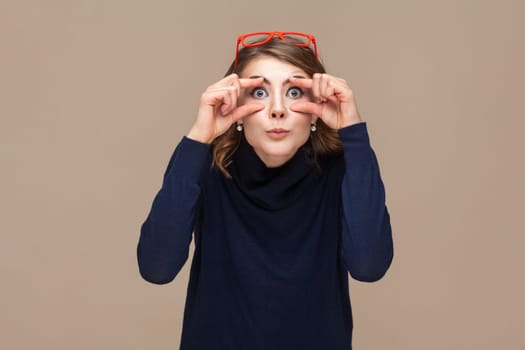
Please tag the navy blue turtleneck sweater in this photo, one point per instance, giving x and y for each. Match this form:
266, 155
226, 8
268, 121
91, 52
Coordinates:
273, 246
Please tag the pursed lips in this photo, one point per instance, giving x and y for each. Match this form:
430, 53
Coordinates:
278, 130
277, 133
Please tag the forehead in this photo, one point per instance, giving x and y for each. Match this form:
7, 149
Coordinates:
271, 68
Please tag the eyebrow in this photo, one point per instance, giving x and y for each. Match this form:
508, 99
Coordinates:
287, 81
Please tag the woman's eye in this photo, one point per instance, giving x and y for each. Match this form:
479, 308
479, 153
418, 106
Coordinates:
259, 93
295, 92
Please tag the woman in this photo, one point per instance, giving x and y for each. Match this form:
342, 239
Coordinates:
279, 183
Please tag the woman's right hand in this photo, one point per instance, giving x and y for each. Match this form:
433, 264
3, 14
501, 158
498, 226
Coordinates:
218, 108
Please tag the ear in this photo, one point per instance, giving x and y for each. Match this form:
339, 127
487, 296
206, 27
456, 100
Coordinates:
314, 118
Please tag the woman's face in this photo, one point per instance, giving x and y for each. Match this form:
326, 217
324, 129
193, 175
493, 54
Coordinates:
275, 132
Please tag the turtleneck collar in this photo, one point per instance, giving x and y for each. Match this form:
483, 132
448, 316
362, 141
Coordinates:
277, 187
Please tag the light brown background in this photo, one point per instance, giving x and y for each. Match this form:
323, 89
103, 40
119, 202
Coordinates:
95, 95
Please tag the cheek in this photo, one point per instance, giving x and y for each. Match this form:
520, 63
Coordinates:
254, 128
301, 120
255, 120
301, 126
304, 133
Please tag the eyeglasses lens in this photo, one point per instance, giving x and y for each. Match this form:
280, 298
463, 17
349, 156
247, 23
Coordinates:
254, 39
263, 38
297, 39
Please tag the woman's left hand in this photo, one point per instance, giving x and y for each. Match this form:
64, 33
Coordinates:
334, 101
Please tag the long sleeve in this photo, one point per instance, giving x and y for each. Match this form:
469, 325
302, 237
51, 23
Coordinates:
166, 234
367, 246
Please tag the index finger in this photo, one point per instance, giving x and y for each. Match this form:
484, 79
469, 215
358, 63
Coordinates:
302, 82
250, 82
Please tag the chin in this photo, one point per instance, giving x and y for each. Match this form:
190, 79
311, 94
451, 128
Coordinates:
276, 151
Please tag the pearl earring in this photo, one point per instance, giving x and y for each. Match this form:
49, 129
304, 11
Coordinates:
313, 127
239, 127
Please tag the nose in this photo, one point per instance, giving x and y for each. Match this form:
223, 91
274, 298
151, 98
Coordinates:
277, 114
277, 108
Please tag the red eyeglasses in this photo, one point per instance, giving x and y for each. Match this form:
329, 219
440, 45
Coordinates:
261, 38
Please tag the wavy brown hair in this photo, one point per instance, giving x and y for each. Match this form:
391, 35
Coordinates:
324, 140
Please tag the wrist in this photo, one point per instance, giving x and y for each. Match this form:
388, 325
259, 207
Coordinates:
199, 136
350, 122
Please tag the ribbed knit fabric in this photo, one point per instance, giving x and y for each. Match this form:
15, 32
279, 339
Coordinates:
273, 246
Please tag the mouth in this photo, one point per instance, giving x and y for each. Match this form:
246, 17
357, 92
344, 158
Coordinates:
277, 133
278, 130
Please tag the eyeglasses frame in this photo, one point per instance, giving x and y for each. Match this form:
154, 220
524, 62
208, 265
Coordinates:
280, 35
